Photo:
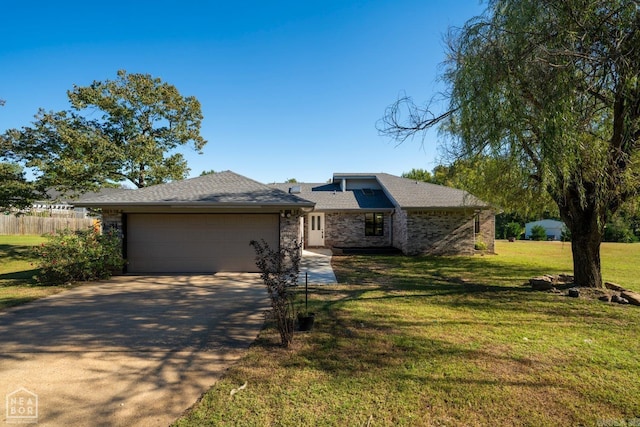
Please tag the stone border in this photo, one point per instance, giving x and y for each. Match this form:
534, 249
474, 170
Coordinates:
632, 297
550, 282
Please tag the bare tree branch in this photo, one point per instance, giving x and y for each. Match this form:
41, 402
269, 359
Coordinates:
404, 119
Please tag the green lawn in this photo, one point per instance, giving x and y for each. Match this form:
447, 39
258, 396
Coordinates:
16, 272
445, 342
619, 260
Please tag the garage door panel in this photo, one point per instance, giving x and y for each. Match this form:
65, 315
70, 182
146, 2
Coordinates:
198, 243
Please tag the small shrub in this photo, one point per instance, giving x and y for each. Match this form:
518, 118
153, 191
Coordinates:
279, 269
538, 232
565, 236
480, 245
618, 230
70, 256
513, 229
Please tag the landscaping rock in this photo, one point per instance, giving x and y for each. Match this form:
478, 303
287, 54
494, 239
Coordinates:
613, 286
619, 299
541, 283
574, 293
605, 298
631, 297
565, 278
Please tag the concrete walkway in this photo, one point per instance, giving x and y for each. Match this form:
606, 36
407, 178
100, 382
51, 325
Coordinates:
317, 262
131, 351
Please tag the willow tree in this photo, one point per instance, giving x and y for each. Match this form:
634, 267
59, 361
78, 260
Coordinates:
550, 91
127, 129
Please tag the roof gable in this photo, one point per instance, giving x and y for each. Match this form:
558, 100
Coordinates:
407, 193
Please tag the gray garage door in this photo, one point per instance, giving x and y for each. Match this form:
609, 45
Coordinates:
196, 243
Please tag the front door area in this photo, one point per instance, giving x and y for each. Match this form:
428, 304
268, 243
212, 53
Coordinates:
315, 229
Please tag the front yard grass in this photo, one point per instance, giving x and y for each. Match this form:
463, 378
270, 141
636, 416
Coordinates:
444, 342
16, 272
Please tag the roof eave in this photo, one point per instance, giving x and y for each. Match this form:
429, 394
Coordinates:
435, 208
321, 209
194, 205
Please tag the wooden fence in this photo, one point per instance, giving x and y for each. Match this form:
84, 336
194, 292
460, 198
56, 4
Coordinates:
10, 224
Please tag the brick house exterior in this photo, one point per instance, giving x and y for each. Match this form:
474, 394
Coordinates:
205, 224
415, 217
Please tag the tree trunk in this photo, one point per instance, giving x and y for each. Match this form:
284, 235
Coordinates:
586, 260
586, 235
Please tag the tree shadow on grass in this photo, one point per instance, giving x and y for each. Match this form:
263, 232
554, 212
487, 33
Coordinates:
438, 276
23, 276
451, 283
15, 252
411, 327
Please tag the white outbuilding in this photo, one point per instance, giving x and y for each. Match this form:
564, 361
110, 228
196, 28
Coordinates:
553, 228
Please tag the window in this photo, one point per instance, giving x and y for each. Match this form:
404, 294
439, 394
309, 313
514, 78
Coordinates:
374, 224
477, 224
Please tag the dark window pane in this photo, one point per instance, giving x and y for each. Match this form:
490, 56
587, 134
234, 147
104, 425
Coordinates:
379, 223
373, 224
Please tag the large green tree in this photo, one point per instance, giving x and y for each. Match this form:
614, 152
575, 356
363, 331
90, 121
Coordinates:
418, 175
15, 191
127, 129
550, 90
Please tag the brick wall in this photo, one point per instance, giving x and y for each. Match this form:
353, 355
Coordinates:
400, 230
347, 230
290, 230
488, 230
112, 220
440, 233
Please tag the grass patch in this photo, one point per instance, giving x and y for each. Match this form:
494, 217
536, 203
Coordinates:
444, 341
619, 260
16, 272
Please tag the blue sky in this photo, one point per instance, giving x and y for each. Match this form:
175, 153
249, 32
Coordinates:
289, 89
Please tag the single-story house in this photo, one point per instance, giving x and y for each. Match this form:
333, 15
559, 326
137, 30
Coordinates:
205, 224
552, 227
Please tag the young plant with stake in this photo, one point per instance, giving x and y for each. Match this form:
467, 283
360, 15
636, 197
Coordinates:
279, 269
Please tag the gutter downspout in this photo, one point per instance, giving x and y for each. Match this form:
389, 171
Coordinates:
393, 212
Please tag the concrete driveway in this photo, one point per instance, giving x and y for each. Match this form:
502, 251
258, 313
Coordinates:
131, 351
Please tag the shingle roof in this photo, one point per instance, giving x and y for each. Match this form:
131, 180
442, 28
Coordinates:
222, 188
408, 193
396, 191
54, 195
331, 197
